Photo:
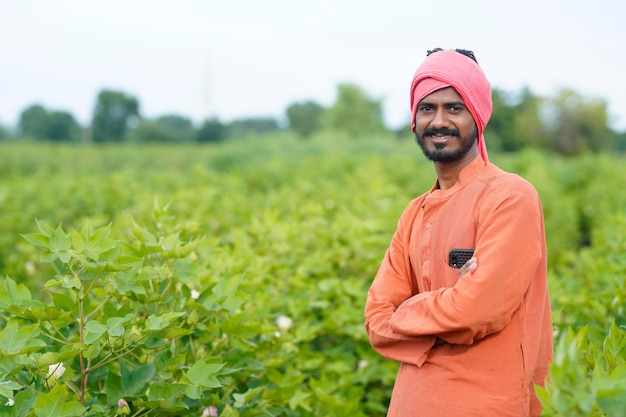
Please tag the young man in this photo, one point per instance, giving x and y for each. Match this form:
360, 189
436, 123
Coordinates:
473, 338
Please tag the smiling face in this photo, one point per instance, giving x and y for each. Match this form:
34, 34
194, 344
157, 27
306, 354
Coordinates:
444, 127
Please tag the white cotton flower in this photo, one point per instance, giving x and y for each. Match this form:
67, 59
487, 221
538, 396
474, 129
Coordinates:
56, 370
10, 402
30, 268
277, 334
284, 322
195, 294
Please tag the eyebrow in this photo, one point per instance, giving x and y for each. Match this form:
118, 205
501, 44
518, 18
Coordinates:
447, 104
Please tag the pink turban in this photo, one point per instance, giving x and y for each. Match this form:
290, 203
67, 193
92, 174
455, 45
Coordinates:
452, 69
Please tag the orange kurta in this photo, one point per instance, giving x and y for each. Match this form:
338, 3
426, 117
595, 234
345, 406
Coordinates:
473, 346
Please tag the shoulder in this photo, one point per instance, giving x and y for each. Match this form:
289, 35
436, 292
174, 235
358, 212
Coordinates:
411, 210
501, 185
499, 181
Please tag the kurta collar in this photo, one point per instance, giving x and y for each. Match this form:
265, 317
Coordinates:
465, 176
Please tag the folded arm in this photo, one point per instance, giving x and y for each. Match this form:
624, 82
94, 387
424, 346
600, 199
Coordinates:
509, 248
391, 287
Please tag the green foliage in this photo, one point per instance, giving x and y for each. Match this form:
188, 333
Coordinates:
586, 379
576, 124
354, 113
317, 363
252, 126
212, 130
620, 141
598, 270
164, 129
305, 118
247, 291
114, 114
33, 122
38, 123
528, 128
115, 321
500, 135
566, 123
5, 134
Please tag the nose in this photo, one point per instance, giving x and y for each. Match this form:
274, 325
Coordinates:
440, 119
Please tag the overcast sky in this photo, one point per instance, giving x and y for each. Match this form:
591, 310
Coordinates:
245, 58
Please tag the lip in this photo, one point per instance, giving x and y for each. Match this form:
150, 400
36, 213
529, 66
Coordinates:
440, 139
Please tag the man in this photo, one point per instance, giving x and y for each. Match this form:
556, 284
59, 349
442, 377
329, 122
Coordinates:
473, 341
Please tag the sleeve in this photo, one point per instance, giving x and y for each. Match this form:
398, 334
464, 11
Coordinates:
510, 246
392, 286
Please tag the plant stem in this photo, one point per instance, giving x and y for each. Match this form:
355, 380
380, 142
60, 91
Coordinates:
81, 332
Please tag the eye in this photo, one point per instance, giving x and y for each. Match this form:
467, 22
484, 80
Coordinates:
456, 108
425, 107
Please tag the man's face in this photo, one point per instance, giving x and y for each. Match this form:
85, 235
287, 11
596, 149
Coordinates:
444, 127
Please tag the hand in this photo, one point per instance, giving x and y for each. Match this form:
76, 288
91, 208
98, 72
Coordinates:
470, 266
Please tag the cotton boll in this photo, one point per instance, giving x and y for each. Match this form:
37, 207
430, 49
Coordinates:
284, 322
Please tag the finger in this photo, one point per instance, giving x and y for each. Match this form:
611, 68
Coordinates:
470, 266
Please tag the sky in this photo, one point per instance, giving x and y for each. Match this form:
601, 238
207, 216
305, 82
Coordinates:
245, 58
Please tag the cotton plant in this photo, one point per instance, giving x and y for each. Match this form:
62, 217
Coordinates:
116, 337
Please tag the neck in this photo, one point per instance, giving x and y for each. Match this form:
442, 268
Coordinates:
448, 172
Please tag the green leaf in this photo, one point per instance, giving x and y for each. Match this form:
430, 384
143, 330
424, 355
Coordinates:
224, 293
14, 340
161, 322
203, 373
37, 239
7, 388
115, 325
15, 294
95, 330
49, 358
162, 391
44, 228
166, 407
65, 302
60, 241
131, 383
194, 392
300, 399
614, 405
70, 282
56, 404
24, 402
241, 400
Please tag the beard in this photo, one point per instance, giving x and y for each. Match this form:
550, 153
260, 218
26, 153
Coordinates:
440, 153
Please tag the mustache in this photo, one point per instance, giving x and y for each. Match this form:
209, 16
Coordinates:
444, 131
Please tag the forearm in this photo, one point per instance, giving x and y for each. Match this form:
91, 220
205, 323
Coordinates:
402, 348
437, 314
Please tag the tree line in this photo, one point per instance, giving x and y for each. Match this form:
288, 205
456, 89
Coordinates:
567, 123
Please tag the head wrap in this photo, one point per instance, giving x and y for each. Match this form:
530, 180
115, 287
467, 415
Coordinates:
452, 69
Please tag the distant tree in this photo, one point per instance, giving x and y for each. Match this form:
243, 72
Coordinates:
577, 124
500, 131
33, 122
164, 129
354, 112
252, 126
38, 123
305, 118
63, 127
5, 134
114, 114
403, 132
176, 122
528, 126
212, 130
620, 141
